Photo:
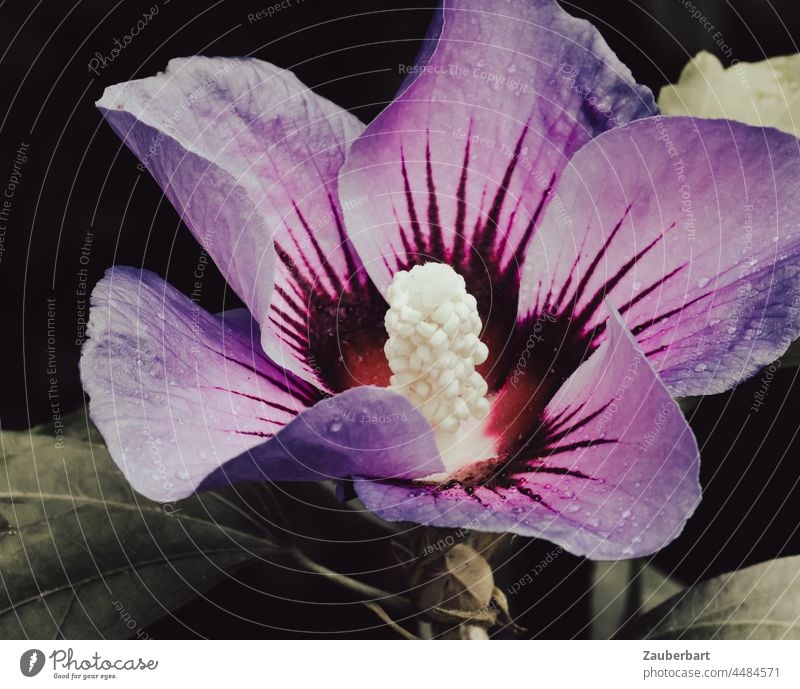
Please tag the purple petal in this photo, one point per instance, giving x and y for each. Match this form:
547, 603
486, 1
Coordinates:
185, 399
689, 228
249, 157
432, 190
460, 166
618, 477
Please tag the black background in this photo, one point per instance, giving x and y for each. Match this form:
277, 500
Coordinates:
78, 178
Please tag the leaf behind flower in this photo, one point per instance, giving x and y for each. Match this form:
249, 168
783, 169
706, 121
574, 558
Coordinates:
758, 602
83, 556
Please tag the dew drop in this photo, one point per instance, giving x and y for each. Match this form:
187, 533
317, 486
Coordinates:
700, 368
182, 475
574, 508
335, 427
702, 282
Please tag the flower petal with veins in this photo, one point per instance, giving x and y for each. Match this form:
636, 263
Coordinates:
619, 477
186, 401
689, 226
249, 157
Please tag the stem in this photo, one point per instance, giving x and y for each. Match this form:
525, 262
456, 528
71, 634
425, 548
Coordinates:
370, 594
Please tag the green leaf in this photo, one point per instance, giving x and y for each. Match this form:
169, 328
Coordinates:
83, 556
759, 602
623, 589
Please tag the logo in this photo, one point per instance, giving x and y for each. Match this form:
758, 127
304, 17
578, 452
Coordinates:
31, 662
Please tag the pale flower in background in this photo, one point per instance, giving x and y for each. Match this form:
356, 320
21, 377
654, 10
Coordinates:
763, 93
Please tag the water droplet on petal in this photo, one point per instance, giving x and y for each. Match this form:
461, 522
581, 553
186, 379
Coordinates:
335, 427
182, 475
700, 368
702, 282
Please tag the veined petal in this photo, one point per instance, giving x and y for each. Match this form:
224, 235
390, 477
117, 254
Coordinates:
249, 157
689, 227
186, 401
616, 474
460, 166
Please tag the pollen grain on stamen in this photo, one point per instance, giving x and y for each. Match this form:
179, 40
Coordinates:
434, 345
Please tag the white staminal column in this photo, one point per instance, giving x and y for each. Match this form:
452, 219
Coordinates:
434, 345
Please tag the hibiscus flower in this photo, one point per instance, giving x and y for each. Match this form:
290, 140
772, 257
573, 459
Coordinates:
477, 309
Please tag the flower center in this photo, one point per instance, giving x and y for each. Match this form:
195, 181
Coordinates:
434, 345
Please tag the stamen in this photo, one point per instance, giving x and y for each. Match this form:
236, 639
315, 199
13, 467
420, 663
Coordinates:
434, 345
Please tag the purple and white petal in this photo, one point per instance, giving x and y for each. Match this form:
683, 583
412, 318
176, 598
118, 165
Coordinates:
186, 400
687, 226
460, 166
613, 472
249, 157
